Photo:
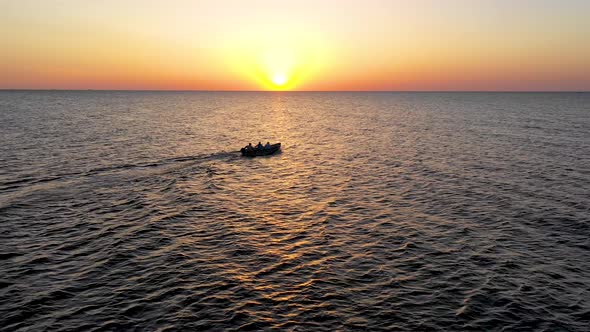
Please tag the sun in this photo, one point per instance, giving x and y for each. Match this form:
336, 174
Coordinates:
276, 67
270, 63
279, 79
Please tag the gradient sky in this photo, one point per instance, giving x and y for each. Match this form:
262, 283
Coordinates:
295, 45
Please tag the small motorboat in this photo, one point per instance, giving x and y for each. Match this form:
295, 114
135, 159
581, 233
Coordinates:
254, 152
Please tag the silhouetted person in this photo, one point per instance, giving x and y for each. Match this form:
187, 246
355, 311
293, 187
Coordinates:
259, 146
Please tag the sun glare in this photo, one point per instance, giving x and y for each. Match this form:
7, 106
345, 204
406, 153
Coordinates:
279, 80
278, 66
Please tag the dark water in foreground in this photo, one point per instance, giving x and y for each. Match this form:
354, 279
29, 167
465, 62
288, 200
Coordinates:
385, 211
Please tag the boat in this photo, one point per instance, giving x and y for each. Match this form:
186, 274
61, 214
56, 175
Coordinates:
262, 152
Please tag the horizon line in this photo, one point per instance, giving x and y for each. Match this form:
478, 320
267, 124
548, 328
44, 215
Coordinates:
306, 91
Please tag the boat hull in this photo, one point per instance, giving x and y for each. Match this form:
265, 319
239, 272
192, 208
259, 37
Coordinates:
264, 152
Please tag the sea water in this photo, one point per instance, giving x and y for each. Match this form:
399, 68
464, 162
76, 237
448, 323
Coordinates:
384, 211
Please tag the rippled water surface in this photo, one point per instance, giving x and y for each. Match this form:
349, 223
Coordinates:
384, 211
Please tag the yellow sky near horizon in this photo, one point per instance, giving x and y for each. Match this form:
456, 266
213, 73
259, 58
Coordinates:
295, 45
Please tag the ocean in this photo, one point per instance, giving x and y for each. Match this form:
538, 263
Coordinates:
124, 211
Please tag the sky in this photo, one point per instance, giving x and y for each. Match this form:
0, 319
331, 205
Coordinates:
309, 45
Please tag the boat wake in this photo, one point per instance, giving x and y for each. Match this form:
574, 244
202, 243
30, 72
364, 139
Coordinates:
32, 182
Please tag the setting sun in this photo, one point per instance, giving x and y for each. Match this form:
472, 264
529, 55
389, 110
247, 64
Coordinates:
279, 80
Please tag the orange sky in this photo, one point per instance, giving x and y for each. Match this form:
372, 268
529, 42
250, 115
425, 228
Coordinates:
295, 45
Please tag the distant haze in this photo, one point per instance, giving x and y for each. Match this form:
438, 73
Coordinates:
295, 45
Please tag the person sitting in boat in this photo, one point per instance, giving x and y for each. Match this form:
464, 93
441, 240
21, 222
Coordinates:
267, 146
259, 146
249, 147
